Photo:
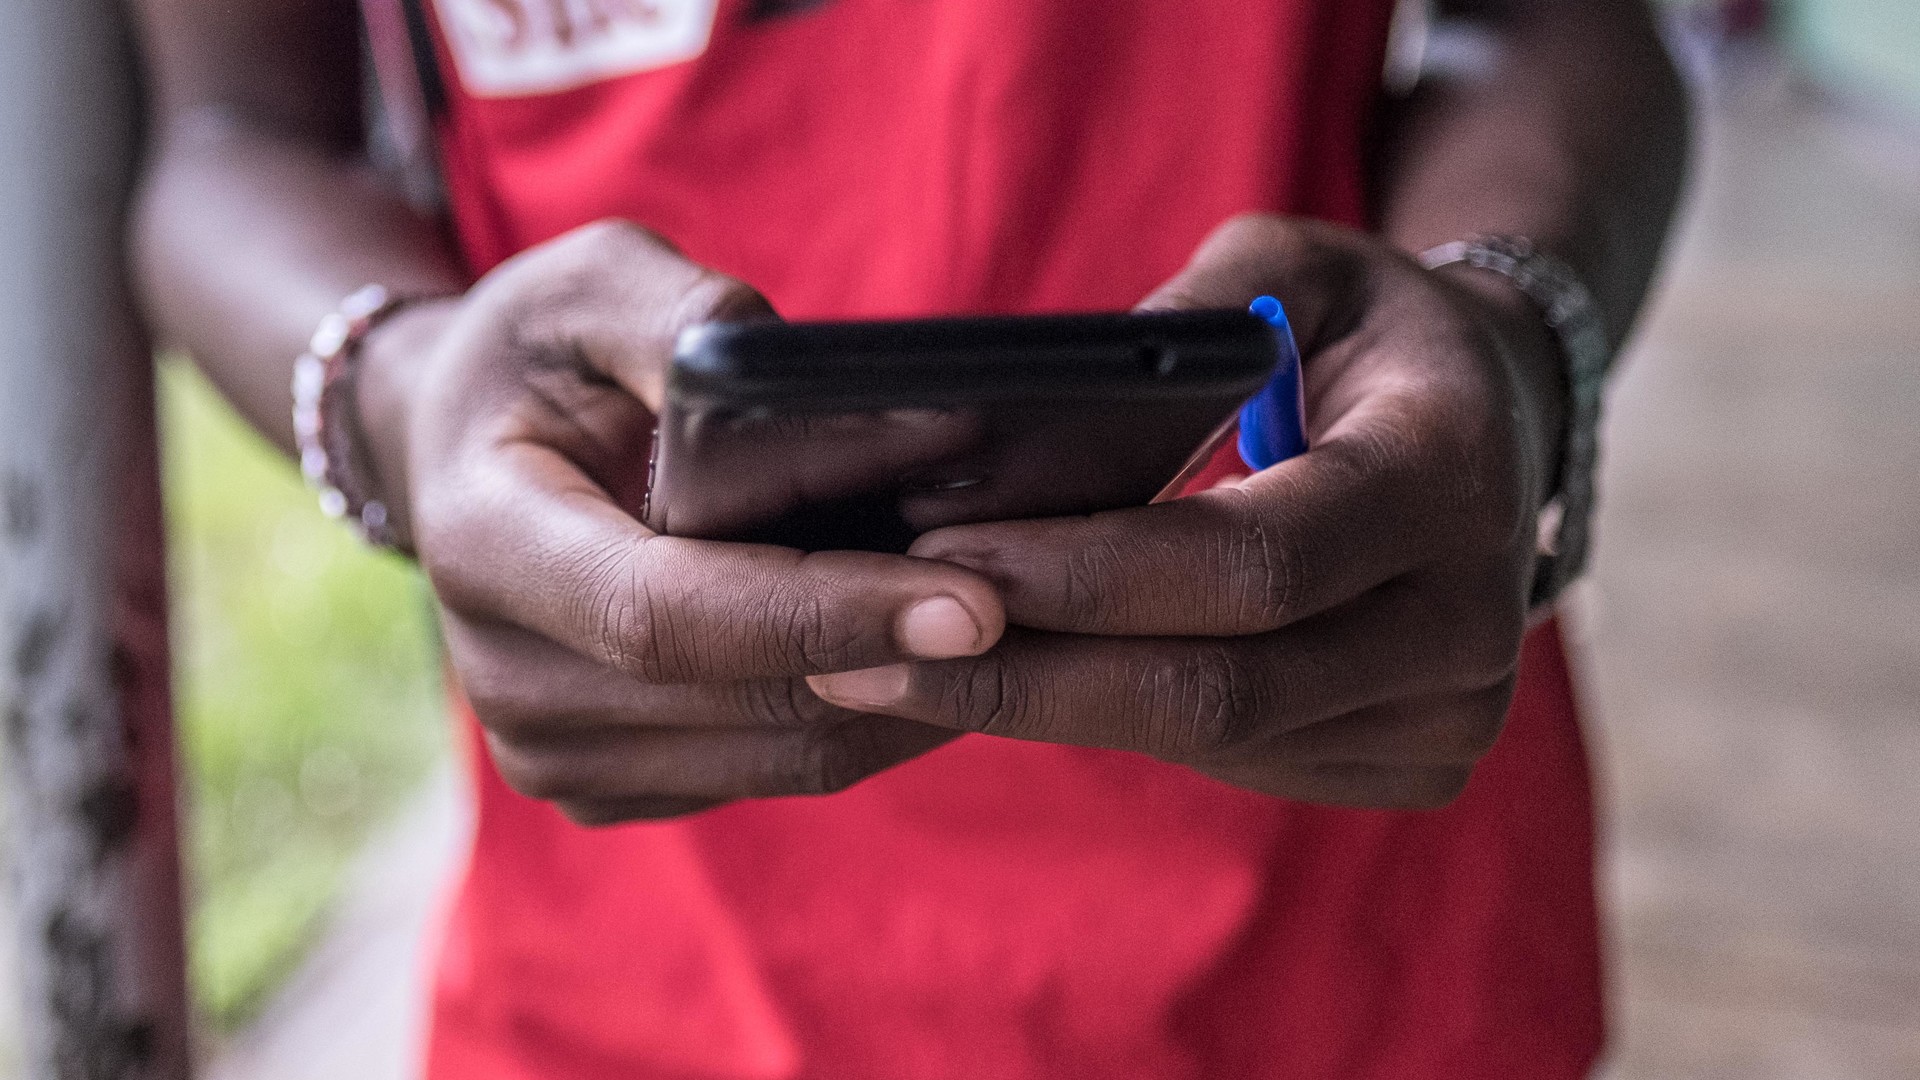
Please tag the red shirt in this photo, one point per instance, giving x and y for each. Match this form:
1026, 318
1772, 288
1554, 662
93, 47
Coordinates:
996, 909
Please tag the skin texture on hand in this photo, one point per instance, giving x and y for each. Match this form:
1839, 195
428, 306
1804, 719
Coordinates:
620, 673
1343, 627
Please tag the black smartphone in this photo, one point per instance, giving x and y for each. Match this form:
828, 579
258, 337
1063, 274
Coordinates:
863, 435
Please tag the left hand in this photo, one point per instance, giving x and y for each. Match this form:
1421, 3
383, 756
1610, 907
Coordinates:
1342, 628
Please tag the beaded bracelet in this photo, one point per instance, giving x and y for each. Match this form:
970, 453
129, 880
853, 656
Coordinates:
326, 420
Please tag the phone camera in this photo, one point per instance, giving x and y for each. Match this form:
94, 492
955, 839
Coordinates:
1158, 359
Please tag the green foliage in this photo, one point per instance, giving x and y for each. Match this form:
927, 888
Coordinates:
308, 689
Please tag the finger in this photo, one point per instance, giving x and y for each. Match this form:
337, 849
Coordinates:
1180, 698
515, 530
708, 764
1170, 698
522, 686
1402, 473
524, 537
1413, 467
1439, 730
1290, 542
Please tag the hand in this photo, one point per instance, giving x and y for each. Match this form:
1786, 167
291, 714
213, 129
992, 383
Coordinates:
1342, 628
616, 672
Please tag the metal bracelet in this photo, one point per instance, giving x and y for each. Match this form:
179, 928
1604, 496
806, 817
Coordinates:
1571, 312
326, 420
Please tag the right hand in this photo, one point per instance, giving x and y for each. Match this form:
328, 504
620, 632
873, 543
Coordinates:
619, 673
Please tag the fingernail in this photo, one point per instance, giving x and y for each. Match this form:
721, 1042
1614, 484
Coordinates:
939, 629
874, 688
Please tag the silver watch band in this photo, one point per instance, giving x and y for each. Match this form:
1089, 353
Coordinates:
1575, 318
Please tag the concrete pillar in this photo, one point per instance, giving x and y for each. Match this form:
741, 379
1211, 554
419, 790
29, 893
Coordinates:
83, 663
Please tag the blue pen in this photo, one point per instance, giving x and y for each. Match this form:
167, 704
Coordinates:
1273, 425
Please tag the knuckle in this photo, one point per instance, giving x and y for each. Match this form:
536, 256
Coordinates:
1489, 655
1464, 730
553, 273
1250, 229
497, 705
713, 296
582, 256
1266, 568
611, 233
1209, 701
1484, 719
532, 772
492, 682
1087, 595
1277, 240
779, 703
780, 630
993, 701
807, 627
1477, 733
827, 763
628, 624
1217, 704
536, 290
1476, 663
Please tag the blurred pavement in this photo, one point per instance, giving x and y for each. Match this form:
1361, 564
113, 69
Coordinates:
1754, 615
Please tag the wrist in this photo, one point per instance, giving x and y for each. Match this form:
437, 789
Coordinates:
393, 360
1535, 359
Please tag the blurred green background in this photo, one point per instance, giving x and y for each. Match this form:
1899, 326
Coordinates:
308, 691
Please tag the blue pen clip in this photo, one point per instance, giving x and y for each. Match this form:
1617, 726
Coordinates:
1273, 425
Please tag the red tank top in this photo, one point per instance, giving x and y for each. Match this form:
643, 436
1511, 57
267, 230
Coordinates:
996, 910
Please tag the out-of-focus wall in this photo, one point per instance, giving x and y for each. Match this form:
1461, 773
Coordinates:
1869, 46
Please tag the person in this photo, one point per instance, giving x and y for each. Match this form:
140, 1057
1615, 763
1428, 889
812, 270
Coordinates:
1273, 780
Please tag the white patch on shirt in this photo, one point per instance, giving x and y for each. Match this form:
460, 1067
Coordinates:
513, 48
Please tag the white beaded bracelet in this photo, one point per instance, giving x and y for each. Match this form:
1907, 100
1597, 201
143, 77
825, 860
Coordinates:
326, 422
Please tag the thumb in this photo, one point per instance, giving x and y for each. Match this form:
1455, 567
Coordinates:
1311, 267
614, 297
